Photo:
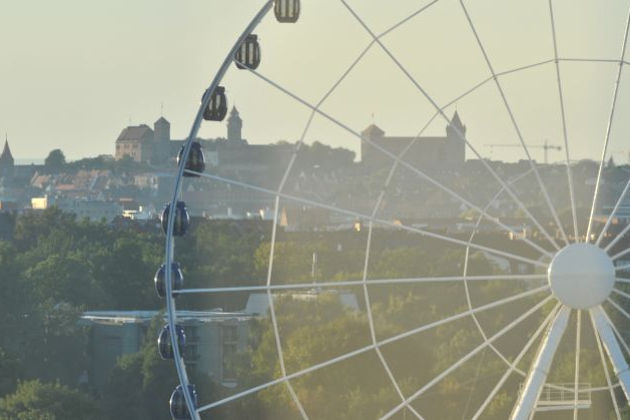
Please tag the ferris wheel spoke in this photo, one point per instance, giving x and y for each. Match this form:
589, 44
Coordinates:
457, 131
468, 356
613, 213
392, 378
622, 293
274, 322
617, 239
619, 308
620, 254
517, 360
466, 260
366, 217
369, 282
368, 306
335, 85
622, 267
420, 173
537, 376
617, 333
517, 129
592, 60
564, 126
578, 347
489, 79
380, 343
608, 129
603, 333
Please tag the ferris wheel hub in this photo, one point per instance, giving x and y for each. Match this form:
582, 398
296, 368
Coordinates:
581, 276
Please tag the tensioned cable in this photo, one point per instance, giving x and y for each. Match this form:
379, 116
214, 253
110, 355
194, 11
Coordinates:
619, 336
468, 356
622, 196
404, 163
605, 366
353, 283
467, 278
517, 129
608, 128
370, 347
517, 360
564, 125
275, 220
363, 216
578, 347
456, 129
617, 239
434, 2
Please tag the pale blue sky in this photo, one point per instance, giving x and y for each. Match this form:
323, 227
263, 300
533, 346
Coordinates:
74, 72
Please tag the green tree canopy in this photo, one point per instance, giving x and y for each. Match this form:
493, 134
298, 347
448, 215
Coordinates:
55, 161
34, 400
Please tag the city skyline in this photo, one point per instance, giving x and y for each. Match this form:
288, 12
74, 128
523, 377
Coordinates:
92, 70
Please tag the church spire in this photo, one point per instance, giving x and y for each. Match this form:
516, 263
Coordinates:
456, 128
6, 158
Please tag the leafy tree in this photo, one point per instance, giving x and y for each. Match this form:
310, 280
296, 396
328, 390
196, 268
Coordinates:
52, 345
63, 278
55, 161
139, 380
30, 227
34, 400
8, 373
125, 271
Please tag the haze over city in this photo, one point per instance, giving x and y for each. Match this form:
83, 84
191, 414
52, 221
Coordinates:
74, 74
353, 228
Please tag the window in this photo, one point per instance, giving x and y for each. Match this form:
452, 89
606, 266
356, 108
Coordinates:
230, 348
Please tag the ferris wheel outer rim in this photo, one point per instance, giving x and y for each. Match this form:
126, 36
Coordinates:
170, 244
170, 301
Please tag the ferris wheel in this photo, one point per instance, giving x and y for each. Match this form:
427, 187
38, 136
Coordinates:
552, 297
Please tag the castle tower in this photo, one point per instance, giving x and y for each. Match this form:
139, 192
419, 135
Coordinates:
162, 130
234, 127
371, 156
161, 140
7, 163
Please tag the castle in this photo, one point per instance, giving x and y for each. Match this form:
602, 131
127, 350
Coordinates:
252, 162
146, 145
448, 152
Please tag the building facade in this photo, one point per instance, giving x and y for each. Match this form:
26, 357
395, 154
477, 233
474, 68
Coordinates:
424, 153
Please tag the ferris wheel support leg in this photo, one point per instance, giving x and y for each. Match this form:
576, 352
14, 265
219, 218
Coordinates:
607, 335
538, 374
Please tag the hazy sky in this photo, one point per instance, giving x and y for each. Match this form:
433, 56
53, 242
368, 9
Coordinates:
74, 73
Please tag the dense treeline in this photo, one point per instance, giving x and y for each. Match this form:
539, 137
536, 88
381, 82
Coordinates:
54, 267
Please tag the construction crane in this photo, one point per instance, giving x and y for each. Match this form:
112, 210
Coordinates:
546, 146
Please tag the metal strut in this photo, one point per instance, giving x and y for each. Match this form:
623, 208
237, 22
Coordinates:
540, 368
607, 335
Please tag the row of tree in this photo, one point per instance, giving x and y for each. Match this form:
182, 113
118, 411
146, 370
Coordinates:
54, 267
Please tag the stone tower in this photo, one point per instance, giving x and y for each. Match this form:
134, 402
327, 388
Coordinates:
161, 140
234, 127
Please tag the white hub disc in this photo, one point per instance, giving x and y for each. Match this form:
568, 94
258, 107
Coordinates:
581, 275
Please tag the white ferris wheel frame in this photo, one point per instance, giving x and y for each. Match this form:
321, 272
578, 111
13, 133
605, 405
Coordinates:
606, 334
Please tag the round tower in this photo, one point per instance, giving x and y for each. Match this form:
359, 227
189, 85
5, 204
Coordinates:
161, 140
